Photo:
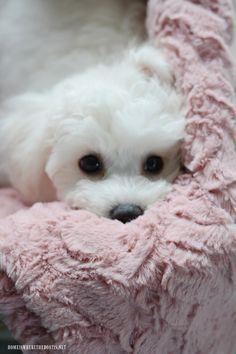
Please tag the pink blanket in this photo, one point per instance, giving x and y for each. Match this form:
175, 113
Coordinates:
166, 282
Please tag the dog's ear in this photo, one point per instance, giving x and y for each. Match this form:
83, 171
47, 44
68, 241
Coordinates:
25, 145
152, 63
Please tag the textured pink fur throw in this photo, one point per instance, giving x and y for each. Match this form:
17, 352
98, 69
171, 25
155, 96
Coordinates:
166, 282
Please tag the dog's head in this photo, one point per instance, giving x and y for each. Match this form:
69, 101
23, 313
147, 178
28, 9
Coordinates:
116, 144
106, 140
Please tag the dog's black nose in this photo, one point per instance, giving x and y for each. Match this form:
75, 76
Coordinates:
126, 212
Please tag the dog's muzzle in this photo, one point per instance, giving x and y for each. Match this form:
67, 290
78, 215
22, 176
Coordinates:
126, 212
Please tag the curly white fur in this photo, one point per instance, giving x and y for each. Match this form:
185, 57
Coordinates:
80, 80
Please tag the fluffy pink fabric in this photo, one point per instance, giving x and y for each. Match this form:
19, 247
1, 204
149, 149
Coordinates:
164, 283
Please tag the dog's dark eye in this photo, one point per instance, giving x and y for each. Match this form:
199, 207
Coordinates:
90, 164
153, 164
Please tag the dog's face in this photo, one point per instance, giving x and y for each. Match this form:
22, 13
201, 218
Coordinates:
106, 140
116, 144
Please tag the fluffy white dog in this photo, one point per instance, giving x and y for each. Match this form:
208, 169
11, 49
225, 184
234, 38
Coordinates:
89, 114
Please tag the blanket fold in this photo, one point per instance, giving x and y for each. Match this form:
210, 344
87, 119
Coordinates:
164, 283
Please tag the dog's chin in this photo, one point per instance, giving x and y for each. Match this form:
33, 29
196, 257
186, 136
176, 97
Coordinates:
118, 198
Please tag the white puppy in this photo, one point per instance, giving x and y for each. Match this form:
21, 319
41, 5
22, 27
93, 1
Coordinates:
89, 114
